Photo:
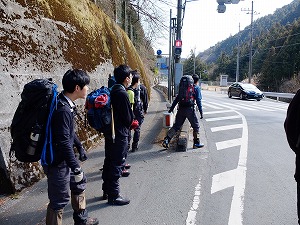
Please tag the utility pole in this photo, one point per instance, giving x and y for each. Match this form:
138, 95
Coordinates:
194, 61
251, 40
238, 58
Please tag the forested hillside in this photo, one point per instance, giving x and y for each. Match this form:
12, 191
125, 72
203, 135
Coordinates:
276, 51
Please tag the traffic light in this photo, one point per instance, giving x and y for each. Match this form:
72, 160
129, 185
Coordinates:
178, 47
221, 7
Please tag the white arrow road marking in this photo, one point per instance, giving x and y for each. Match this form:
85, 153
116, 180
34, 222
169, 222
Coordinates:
235, 178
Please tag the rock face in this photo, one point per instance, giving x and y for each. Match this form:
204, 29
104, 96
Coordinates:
43, 39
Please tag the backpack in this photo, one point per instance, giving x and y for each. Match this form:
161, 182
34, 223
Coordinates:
31, 125
292, 123
111, 81
186, 92
98, 104
137, 106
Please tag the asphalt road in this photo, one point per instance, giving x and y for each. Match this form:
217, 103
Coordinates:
243, 175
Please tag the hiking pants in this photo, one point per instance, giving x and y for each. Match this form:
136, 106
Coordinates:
59, 183
137, 131
113, 163
190, 114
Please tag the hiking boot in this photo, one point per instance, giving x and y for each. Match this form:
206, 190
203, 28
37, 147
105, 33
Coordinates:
198, 145
104, 196
118, 201
125, 173
127, 166
165, 143
134, 147
89, 221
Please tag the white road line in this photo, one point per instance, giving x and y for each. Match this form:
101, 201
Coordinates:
262, 107
227, 127
239, 106
228, 144
210, 106
191, 218
235, 178
222, 118
220, 111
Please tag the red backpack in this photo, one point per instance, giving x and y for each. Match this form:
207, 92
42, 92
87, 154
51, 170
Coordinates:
186, 92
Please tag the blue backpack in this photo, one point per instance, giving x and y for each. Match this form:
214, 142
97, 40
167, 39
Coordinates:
98, 105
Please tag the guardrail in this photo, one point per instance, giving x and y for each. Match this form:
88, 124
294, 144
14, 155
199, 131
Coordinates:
279, 95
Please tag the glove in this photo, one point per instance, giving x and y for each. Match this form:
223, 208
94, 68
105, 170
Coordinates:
134, 125
82, 155
201, 115
78, 175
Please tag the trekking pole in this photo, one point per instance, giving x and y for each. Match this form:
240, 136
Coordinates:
113, 125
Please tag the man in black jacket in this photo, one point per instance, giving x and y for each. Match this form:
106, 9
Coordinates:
140, 107
116, 139
65, 172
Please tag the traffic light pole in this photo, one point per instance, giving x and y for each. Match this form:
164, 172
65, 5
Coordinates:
170, 60
179, 14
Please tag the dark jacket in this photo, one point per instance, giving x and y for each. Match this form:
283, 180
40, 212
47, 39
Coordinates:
144, 97
122, 113
63, 134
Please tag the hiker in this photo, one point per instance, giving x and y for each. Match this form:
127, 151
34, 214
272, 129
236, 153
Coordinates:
140, 107
189, 93
65, 172
116, 139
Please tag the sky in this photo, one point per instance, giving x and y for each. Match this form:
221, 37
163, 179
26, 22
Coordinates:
204, 27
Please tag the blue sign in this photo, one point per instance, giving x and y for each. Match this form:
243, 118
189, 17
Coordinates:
159, 52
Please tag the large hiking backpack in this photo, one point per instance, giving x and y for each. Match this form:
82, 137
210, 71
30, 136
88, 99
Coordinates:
186, 92
292, 123
99, 109
31, 124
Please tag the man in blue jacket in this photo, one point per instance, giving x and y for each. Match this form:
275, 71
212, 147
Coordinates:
65, 172
187, 111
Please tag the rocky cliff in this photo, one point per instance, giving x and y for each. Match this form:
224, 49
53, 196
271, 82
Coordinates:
43, 39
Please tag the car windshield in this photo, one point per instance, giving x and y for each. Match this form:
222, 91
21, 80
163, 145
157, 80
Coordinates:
249, 87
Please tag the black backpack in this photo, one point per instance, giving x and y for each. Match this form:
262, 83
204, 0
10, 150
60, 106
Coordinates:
292, 123
31, 124
98, 104
186, 92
